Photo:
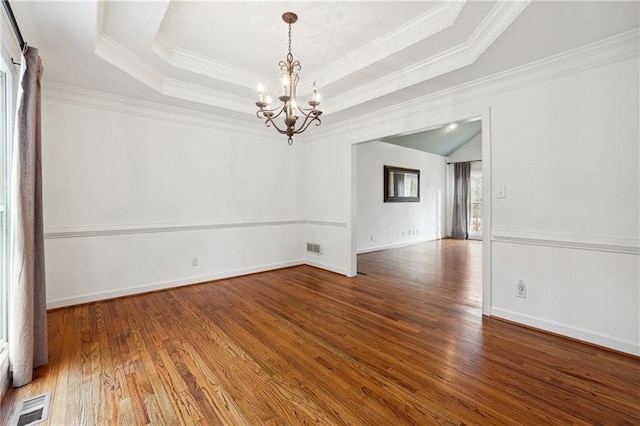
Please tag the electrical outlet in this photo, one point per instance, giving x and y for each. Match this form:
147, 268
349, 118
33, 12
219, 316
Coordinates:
194, 261
521, 289
371, 237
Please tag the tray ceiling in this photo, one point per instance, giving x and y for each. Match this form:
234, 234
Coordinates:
210, 56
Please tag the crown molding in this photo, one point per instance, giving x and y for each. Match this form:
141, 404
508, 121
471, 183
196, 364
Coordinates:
432, 22
435, 20
204, 95
189, 61
122, 58
420, 28
119, 104
500, 17
395, 119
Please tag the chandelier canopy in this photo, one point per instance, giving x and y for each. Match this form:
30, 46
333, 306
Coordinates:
289, 107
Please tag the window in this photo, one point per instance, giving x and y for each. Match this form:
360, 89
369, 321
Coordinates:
475, 207
3, 210
6, 128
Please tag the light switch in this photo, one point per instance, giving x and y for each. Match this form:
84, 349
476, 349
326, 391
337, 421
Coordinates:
502, 192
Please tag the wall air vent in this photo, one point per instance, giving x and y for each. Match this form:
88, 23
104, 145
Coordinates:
33, 410
314, 248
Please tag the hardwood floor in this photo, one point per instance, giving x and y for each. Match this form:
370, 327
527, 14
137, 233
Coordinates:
404, 344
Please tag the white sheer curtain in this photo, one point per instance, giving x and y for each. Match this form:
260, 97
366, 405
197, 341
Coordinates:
27, 303
461, 177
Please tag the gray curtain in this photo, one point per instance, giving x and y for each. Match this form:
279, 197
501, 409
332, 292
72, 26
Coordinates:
461, 177
27, 304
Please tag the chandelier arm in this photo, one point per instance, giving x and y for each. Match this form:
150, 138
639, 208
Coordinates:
265, 113
307, 122
308, 111
275, 126
270, 122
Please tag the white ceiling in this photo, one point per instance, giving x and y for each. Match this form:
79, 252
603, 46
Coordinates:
365, 55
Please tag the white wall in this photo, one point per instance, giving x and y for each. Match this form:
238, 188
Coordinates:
130, 199
325, 197
564, 141
567, 152
383, 225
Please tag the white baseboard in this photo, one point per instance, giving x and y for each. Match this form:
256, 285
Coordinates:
94, 297
578, 333
316, 264
398, 244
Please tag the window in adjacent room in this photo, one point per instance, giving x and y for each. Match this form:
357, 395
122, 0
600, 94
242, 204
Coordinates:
475, 205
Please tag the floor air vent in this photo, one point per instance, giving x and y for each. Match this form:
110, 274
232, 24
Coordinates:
314, 248
33, 410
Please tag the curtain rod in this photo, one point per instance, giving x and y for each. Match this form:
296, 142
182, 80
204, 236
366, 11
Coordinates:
472, 161
14, 24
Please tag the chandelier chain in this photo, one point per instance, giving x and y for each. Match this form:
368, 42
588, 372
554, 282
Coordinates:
290, 55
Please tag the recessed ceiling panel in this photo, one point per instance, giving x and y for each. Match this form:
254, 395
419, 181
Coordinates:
252, 35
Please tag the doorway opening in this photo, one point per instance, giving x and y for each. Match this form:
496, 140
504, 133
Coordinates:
378, 226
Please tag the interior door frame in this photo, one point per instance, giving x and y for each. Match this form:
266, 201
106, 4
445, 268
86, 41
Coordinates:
485, 117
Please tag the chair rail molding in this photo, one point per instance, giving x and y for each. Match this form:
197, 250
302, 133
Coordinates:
55, 232
570, 241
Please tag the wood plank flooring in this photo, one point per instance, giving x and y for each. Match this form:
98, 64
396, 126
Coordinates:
404, 343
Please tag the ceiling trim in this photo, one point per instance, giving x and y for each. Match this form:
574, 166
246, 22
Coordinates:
435, 20
202, 65
122, 58
500, 17
395, 119
122, 105
424, 26
204, 95
616, 48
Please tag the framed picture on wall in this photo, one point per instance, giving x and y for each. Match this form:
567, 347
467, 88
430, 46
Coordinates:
401, 185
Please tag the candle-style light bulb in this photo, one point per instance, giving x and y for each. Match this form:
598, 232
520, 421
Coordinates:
261, 92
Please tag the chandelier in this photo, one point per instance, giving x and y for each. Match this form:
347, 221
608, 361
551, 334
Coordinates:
289, 107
